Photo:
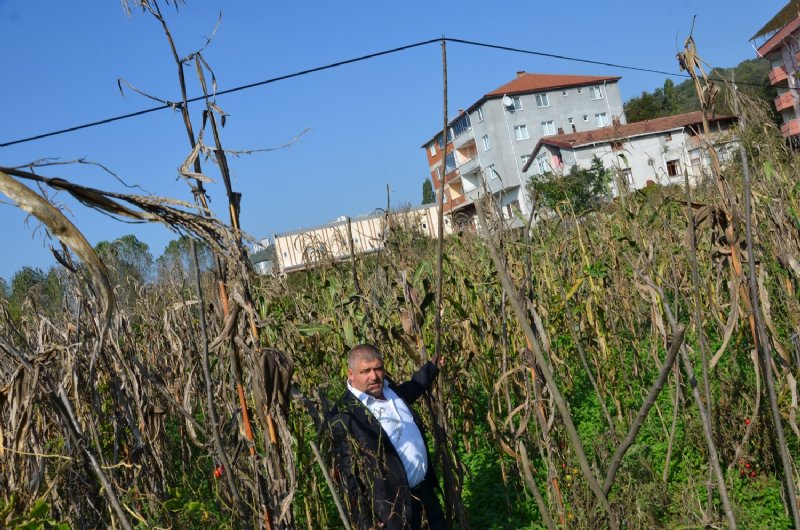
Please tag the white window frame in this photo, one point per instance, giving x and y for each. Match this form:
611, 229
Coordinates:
602, 119
542, 163
580, 90
433, 149
524, 159
596, 92
492, 173
564, 93
521, 132
542, 100
487, 143
586, 118
548, 128
571, 121
516, 104
480, 113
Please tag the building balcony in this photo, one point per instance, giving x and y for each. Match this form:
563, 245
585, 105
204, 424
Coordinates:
791, 127
784, 101
470, 166
452, 176
464, 138
454, 204
778, 75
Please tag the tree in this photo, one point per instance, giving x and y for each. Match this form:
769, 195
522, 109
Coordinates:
177, 263
32, 285
129, 264
581, 188
428, 196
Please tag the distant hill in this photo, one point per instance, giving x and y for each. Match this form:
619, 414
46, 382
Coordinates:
751, 77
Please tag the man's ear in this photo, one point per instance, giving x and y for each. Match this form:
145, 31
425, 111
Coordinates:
349, 373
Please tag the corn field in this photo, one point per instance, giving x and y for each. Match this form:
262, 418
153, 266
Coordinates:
633, 366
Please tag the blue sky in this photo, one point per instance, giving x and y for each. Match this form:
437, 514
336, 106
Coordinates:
366, 121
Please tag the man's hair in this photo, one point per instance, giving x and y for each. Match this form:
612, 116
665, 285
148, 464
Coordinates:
363, 352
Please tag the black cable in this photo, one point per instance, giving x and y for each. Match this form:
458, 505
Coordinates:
350, 61
220, 93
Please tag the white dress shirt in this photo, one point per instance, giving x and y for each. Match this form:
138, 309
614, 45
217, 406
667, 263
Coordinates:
398, 424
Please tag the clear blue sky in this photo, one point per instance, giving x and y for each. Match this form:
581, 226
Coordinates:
61, 61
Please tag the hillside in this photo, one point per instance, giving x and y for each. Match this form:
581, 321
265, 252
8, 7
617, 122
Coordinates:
750, 75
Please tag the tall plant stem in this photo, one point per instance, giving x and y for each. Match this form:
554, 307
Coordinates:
708, 432
212, 411
698, 319
558, 398
762, 344
655, 390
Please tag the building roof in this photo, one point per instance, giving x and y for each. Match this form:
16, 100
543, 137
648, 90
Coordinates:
526, 82
621, 132
784, 16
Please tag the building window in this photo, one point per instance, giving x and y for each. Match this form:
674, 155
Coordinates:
616, 146
586, 118
542, 101
627, 176
491, 173
548, 127
487, 144
480, 114
580, 90
571, 121
524, 159
433, 149
596, 92
673, 168
563, 92
668, 137
542, 164
516, 104
602, 119
521, 132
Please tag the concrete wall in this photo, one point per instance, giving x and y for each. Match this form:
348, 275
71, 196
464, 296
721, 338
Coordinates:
309, 247
507, 153
647, 157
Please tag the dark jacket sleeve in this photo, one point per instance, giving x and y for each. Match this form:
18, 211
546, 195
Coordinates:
420, 382
343, 453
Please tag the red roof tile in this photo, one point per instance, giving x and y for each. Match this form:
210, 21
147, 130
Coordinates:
538, 82
630, 129
621, 132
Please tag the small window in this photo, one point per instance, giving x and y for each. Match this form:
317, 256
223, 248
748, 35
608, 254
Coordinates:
521, 132
491, 173
433, 149
596, 92
580, 90
285, 254
542, 101
586, 118
571, 121
516, 104
668, 137
487, 144
602, 119
627, 176
616, 146
424, 225
480, 114
564, 93
548, 127
673, 168
524, 159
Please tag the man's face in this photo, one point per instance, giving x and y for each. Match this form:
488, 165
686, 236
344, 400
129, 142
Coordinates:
367, 376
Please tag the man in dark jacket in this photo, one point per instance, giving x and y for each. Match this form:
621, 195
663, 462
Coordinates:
379, 447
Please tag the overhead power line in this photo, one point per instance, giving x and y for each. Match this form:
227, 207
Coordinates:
345, 62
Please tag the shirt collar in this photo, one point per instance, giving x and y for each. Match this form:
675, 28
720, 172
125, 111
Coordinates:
365, 398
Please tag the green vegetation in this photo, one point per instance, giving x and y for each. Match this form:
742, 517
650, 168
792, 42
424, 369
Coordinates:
581, 189
751, 78
428, 195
